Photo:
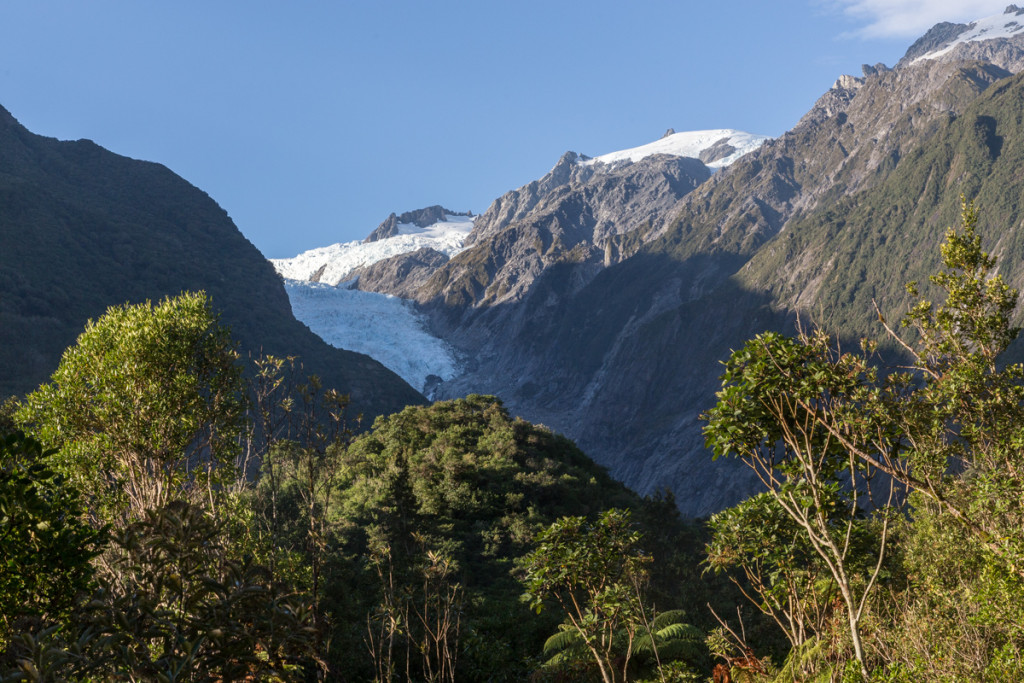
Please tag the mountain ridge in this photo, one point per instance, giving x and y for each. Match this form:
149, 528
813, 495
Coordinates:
612, 331
84, 229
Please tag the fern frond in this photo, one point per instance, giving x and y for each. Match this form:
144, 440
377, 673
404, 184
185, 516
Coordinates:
563, 640
673, 616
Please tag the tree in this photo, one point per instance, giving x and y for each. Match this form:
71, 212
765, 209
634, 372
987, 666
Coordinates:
177, 606
173, 604
594, 571
146, 407
789, 582
781, 400
820, 425
45, 547
304, 427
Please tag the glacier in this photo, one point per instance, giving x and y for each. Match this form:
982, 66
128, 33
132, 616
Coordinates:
384, 327
323, 293
388, 329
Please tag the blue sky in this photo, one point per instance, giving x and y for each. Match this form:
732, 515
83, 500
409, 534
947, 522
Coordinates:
309, 122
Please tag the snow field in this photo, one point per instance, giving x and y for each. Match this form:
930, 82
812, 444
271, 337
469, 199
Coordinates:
687, 144
341, 259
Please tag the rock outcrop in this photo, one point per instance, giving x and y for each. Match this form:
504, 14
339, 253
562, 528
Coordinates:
400, 276
421, 218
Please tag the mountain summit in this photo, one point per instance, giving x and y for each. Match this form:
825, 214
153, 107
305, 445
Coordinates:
716, 148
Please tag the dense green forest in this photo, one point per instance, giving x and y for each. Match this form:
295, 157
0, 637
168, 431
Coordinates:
170, 514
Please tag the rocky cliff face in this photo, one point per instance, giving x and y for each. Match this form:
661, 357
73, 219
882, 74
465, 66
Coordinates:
402, 276
572, 216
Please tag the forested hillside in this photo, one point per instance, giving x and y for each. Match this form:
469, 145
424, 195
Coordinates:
453, 542
137, 546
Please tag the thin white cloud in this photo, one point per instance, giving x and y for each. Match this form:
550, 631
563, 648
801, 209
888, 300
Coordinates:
911, 18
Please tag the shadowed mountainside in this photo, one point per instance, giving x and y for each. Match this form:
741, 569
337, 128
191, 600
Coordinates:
622, 353
82, 229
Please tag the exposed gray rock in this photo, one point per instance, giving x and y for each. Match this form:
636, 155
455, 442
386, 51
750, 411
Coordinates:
847, 82
719, 150
567, 217
936, 38
670, 131
518, 203
420, 218
1006, 53
878, 68
400, 275
318, 273
388, 228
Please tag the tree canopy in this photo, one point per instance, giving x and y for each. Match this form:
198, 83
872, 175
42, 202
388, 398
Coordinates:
147, 406
839, 443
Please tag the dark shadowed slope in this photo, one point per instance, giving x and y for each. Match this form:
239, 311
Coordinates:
82, 229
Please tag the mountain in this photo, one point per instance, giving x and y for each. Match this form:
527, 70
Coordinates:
578, 217
403, 254
83, 229
397, 257
601, 298
433, 228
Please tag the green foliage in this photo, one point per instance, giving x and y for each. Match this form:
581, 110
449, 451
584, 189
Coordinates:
465, 481
174, 605
471, 480
949, 428
595, 572
793, 409
962, 618
147, 406
786, 577
178, 606
45, 548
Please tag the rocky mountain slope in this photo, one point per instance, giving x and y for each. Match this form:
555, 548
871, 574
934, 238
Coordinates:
600, 299
82, 229
622, 354
574, 216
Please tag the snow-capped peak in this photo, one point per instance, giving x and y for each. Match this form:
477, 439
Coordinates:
333, 264
1006, 25
734, 144
387, 328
